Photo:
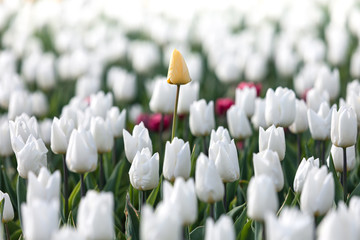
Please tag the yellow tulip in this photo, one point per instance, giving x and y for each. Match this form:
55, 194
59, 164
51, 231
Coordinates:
178, 72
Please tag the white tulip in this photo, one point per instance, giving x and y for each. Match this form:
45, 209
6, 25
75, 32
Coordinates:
163, 97
262, 197
102, 133
353, 99
256, 67
177, 162
344, 127
221, 134
238, 123
8, 210
315, 97
87, 86
5, 145
274, 139
67, 233
267, 163
39, 102
60, 134
122, 83
227, 70
45, 72
100, 103
302, 172
202, 119
320, 123
222, 229
245, 99
139, 139
258, 119
144, 170
19, 104
301, 123
117, 121
338, 155
328, 81
45, 130
338, 40
189, 93
318, 192
209, 187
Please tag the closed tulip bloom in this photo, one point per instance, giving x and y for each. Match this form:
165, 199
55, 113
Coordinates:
31, 157
100, 103
40, 226
189, 93
67, 233
40, 106
220, 135
274, 139
337, 156
202, 119
178, 72
163, 97
338, 224
183, 194
209, 187
19, 103
60, 134
353, 99
328, 81
301, 123
95, 218
320, 123
45, 72
161, 224
123, 85
101, 131
267, 163
222, 105
318, 192
117, 121
21, 129
338, 40
315, 97
222, 229
81, 155
258, 119
280, 107
225, 156
291, 224
45, 186
262, 197
45, 130
245, 99
139, 139
239, 125
5, 145
343, 127
144, 171
177, 162
302, 172
8, 210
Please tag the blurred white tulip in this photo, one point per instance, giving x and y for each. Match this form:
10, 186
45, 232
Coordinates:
60, 134
245, 99
256, 67
315, 97
144, 56
87, 86
67, 233
45, 130
222, 229
220, 135
139, 139
301, 122
337, 39
189, 93
320, 123
100, 103
163, 97
102, 133
202, 119
274, 139
8, 210
19, 103
45, 72
238, 123
117, 120
5, 145
258, 119
337, 156
302, 172
122, 83
344, 127
227, 70
328, 81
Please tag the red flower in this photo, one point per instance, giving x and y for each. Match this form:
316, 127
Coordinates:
257, 86
222, 105
153, 121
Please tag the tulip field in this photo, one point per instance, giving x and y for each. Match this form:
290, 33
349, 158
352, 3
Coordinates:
164, 120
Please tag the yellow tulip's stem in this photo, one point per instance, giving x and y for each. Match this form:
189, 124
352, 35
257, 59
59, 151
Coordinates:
344, 173
175, 111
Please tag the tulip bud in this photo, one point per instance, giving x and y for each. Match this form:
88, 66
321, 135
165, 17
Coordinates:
239, 125
44, 187
262, 198
245, 99
40, 226
182, 194
178, 72
209, 187
19, 104
39, 102
161, 224
258, 119
274, 139
291, 224
67, 233
95, 216
222, 229
87, 86
45, 72
328, 81
280, 107
225, 156
343, 127
256, 67
5, 145
267, 163
353, 99
81, 154
339, 224
301, 123
144, 56
8, 211
337, 156
315, 97
220, 135
60, 134
222, 105
318, 192
100, 104
189, 93
45, 130
163, 97
117, 120
227, 70
302, 172
122, 83
101, 131
177, 162
320, 123
201, 119
139, 139
144, 171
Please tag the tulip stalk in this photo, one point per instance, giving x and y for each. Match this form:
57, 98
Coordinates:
142, 199
175, 111
82, 185
299, 148
161, 134
205, 145
7, 231
102, 177
344, 173
225, 203
66, 193
212, 211
114, 153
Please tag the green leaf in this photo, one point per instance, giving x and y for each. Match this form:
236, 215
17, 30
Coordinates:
154, 195
355, 192
288, 200
16, 235
247, 233
219, 209
240, 223
339, 192
74, 197
132, 222
194, 154
21, 193
236, 211
198, 233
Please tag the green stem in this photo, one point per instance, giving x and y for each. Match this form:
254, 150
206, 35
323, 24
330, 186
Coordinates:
82, 185
7, 232
212, 212
102, 177
114, 153
344, 173
175, 112
225, 203
66, 194
205, 146
299, 147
